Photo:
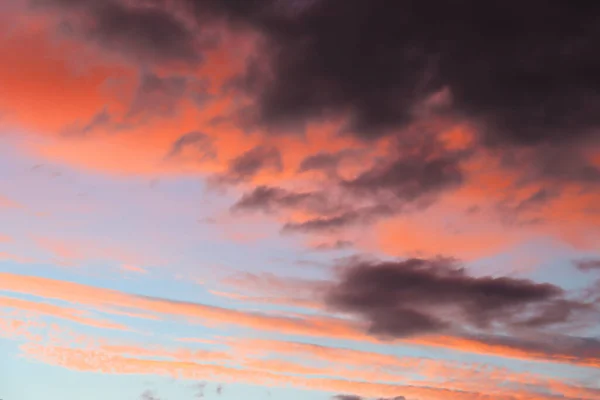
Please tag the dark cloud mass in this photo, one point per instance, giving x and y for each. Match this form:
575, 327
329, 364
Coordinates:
409, 178
327, 162
525, 71
419, 296
143, 30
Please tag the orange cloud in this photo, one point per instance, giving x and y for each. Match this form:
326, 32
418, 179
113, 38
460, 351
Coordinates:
5, 202
41, 89
48, 91
51, 310
133, 268
504, 350
379, 367
61, 250
262, 359
18, 328
108, 300
99, 361
486, 216
111, 301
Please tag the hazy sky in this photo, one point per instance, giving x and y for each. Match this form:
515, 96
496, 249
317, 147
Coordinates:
299, 200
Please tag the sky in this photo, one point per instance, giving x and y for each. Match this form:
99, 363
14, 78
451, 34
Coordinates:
299, 200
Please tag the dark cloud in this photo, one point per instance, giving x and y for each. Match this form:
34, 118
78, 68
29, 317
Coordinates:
564, 165
145, 31
419, 296
324, 161
410, 177
250, 163
588, 265
528, 211
378, 60
320, 161
354, 397
269, 199
524, 73
201, 142
554, 164
363, 215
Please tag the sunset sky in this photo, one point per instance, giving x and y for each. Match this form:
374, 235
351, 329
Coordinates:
299, 200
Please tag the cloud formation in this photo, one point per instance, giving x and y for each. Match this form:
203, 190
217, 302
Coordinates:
147, 31
354, 397
249, 164
269, 199
404, 129
588, 265
418, 296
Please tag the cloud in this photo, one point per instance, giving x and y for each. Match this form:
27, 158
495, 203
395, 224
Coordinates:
346, 397
158, 95
419, 296
149, 395
320, 161
99, 120
588, 265
325, 161
271, 288
5, 202
91, 360
410, 177
251, 163
354, 397
363, 215
147, 32
133, 268
386, 66
336, 245
200, 142
552, 348
269, 199
59, 312
115, 302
